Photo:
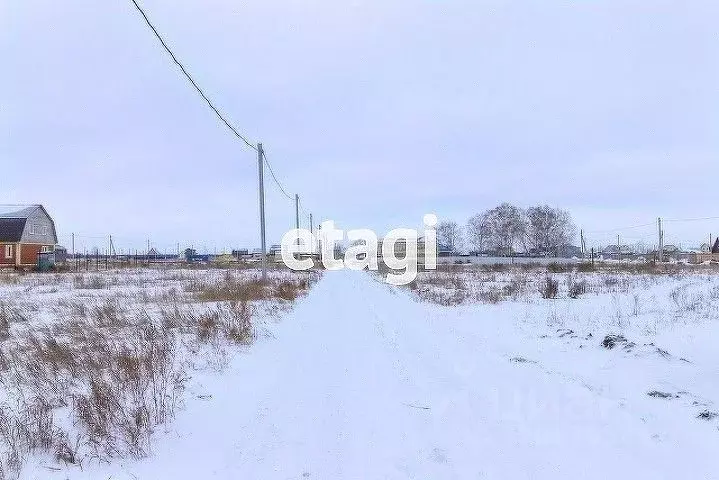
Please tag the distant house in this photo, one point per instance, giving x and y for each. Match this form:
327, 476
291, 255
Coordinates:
618, 250
26, 231
715, 248
671, 249
569, 251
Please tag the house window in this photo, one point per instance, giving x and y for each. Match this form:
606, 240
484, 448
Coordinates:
45, 249
44, 229
8, 251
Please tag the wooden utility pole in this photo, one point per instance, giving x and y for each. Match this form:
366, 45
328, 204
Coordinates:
260, 157
297, 211
74, 259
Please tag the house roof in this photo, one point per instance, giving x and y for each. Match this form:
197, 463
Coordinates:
17, 211
13, 219
11, 229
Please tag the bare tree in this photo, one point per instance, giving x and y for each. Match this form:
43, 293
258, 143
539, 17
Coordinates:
478, 231
548, 228
505, 226
449, 235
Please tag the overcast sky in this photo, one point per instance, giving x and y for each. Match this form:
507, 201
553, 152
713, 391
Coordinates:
375, 112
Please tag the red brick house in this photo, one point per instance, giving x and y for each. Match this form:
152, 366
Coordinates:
25, 231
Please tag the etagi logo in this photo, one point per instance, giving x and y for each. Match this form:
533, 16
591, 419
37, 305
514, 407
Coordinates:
400, 249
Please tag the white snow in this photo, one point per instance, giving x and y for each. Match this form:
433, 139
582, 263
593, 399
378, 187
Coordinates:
362, 381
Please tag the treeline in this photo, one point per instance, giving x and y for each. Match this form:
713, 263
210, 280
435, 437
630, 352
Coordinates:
506, 229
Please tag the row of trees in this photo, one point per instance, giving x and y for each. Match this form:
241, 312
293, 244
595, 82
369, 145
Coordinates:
541, 229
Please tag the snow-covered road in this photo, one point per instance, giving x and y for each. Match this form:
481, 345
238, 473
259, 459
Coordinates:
362, 382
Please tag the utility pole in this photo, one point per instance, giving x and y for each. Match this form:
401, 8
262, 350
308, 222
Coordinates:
312, 232
297, 211
260, 156
619, 248
74, 260
661, 240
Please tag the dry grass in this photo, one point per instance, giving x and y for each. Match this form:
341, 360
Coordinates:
233, 288
459, 284
93, 282
115, 390
97, 381
9, 278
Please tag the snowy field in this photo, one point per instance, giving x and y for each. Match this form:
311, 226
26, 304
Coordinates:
497, 373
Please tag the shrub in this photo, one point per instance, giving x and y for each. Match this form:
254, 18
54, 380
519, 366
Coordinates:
574, 288
517, 286
207, 327
550, 288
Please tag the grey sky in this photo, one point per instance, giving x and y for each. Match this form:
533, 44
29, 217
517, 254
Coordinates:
376, 112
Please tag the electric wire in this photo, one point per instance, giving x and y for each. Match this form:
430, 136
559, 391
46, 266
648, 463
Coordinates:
209, 102
192, 80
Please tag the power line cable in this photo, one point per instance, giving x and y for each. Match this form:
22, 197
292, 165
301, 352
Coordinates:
192, 80
677, 220
302, 208
274, 177
208, 101
621, 228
